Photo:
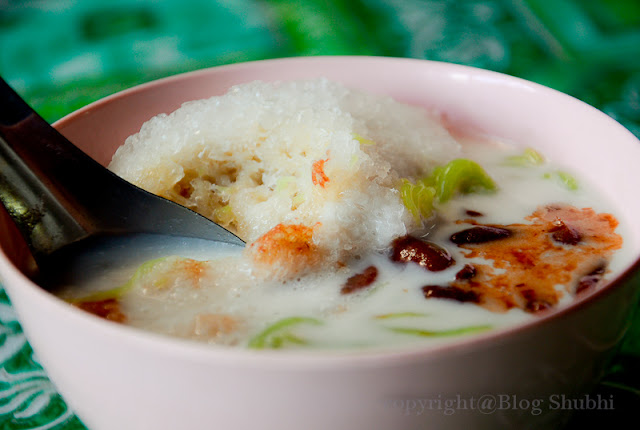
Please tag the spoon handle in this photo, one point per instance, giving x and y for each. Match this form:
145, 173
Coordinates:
36, 166
58, 195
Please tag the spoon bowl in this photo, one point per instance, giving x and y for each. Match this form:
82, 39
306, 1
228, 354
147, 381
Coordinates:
67, 205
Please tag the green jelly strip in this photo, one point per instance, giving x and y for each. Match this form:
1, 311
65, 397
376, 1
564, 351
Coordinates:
530, 157
460, 176
363, 140
564, 178
115, 293
400, 315
277, 335
417, 198
441, 333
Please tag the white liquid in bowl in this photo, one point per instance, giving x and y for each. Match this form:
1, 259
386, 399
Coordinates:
223, 301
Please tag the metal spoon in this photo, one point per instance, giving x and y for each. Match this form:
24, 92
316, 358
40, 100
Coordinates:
66, 204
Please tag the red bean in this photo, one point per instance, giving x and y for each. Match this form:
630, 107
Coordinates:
564, 234
591, 279
451, 292
479, 234
533, 303
426, 254
473, 213
360, 280
467, 272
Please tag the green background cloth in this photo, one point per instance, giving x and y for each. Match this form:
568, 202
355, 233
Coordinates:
63, 54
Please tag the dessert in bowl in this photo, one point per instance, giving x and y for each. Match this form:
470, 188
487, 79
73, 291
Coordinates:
155, 381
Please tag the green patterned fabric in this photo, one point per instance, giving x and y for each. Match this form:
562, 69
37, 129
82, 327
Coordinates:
63, 54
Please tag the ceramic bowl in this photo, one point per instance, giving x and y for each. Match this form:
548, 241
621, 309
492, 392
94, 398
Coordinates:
115, 377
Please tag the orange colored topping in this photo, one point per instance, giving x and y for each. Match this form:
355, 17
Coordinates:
194, 270
317, 173
214, 325
108, 309
563, 245
289, 245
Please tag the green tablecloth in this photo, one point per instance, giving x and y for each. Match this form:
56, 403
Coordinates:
62, 54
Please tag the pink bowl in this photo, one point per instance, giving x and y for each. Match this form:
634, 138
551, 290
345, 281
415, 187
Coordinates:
115, 377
